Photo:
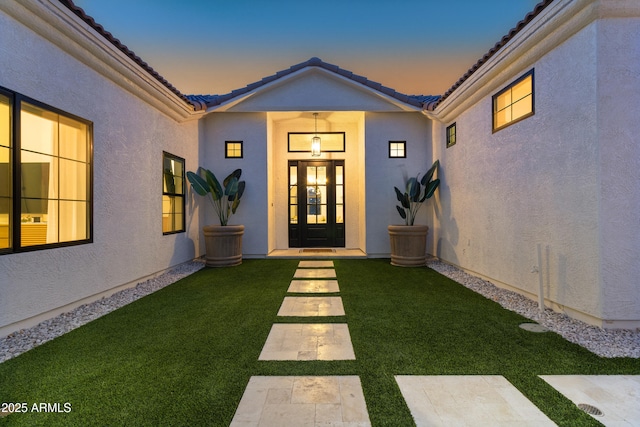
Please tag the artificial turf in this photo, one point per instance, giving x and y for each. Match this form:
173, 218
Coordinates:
184, 355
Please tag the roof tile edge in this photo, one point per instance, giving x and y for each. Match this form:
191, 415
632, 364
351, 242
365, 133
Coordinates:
79, 12
431, 106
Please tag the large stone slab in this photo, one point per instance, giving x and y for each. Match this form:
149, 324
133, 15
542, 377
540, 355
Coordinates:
468, 400
316, 341
617, 397
314, 286
311, 306
302, 401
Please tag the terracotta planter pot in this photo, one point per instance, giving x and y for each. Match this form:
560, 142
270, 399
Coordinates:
408, 245
224, 245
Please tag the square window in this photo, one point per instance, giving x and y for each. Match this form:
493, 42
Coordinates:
233, 149
451, 135
173, 199
397, 149
514, 103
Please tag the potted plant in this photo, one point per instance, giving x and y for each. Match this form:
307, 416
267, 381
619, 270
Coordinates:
223, 242
409, 241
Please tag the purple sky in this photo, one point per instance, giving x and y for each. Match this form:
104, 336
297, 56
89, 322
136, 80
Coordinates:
215, 46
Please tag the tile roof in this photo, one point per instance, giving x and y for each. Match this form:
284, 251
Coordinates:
415, 100
124, 49
510, 35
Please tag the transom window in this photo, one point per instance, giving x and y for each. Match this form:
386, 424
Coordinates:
173, 194
451, 135
233, 149
514, 103
45, 176
397, 149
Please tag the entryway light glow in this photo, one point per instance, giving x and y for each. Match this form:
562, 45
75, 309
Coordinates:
315, 141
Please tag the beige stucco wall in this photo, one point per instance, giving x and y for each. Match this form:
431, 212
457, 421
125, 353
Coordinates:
555, 180
251, 128
383, 173
618, 93
129, 137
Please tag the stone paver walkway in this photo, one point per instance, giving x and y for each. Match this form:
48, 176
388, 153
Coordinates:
302, 401
311, 306
314, 341
314, 401
468, 400
442, 400
314, 286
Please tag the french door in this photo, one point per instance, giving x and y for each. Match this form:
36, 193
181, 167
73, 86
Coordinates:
316, 203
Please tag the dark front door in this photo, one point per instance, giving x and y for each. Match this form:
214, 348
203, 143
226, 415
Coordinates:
316, 203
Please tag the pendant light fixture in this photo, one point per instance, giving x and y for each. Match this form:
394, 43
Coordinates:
315, 141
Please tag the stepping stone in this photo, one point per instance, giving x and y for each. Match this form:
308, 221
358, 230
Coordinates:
315, 273
468, 400
615, 396
302, 401
311, 306
323, 341
315, 264
313, 286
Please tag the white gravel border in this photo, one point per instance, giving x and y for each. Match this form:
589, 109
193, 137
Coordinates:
603, 342
25, 339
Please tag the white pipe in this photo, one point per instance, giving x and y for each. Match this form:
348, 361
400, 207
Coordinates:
540, 284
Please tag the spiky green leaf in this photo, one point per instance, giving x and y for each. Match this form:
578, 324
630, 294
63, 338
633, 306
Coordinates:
413, 189
198, 184
429, 175
235, 174
216, 189
402, 213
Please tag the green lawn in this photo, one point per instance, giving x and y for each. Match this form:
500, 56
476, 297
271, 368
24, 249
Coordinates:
184, 355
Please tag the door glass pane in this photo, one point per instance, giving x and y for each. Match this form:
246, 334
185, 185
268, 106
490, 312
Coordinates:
322, 214
293, 194
321, 175
339, 214
339, 175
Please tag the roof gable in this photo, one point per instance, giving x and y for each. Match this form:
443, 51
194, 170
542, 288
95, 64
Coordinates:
348, 78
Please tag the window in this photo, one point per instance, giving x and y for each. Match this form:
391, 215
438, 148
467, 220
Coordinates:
514, 103
172, 194
451, 135
45, 170
330, 142
233, 149
397, 149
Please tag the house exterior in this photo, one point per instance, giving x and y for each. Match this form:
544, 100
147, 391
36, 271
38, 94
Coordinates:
536, 144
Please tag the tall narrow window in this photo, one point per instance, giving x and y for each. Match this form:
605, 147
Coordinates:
172, 194
514, 103
54, 177
451, 135
5, 173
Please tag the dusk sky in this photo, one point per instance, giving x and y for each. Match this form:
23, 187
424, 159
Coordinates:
215, 46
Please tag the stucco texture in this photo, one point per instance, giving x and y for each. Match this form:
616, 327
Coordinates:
558, 182
129, 137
